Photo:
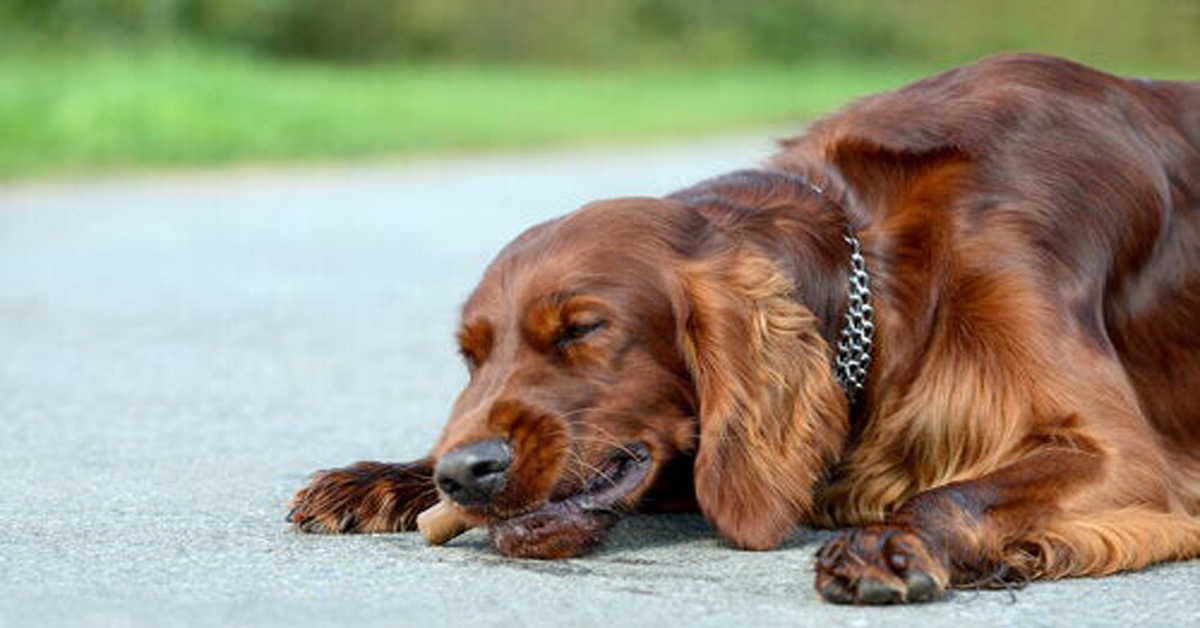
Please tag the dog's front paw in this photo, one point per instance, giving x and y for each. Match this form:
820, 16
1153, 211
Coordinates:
880, 565
365, 497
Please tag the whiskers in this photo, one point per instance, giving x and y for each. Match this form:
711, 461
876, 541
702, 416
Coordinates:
591, 435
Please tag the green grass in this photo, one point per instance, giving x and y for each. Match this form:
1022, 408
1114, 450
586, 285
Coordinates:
122, 110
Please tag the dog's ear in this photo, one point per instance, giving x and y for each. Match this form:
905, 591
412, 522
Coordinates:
772, 416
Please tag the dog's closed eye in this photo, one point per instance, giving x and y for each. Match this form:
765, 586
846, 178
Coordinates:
578, 332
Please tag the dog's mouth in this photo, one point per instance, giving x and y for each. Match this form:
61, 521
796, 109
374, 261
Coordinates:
572, 525
623, 473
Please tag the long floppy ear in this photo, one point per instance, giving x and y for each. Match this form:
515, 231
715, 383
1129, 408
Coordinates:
772, 416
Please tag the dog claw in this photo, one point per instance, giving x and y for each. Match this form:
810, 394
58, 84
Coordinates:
837, 593
922, 587
874, 592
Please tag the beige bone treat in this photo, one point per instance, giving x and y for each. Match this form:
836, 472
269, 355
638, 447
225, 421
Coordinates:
440, 523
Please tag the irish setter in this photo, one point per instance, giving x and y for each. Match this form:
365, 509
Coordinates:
1029, 334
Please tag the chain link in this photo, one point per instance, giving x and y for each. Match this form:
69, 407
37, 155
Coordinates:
854, 347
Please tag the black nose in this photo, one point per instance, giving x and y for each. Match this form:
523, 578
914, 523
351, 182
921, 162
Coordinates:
472, 474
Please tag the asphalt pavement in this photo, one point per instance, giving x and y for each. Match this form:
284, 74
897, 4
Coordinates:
178, 352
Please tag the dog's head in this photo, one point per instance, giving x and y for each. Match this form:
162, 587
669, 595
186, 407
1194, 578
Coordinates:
614, 345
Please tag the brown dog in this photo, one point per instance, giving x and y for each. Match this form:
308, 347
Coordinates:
1027, 323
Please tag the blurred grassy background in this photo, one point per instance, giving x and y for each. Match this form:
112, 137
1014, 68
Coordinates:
89, 85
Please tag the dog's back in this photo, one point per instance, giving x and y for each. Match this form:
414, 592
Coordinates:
1094, 178
1153, 316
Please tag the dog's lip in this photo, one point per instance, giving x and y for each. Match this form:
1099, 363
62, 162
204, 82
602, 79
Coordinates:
622, 474
619, 476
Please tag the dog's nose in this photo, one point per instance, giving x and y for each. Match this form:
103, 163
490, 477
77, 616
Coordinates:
472, 474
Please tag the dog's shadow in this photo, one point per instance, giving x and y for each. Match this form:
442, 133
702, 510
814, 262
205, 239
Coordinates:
662, 530
633, 533
659, 530
637, 541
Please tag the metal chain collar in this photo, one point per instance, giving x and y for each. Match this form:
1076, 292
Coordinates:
854, 346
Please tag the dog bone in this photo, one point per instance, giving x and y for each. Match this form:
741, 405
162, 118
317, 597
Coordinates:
440, 523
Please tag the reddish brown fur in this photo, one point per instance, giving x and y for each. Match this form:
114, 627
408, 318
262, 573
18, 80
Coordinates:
1032, 230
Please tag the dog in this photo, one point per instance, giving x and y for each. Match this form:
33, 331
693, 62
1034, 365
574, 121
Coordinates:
959, 320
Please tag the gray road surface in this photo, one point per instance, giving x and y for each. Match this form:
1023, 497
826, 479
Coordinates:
177, 353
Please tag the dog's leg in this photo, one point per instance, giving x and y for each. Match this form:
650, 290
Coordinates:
1017, 523
365, 497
